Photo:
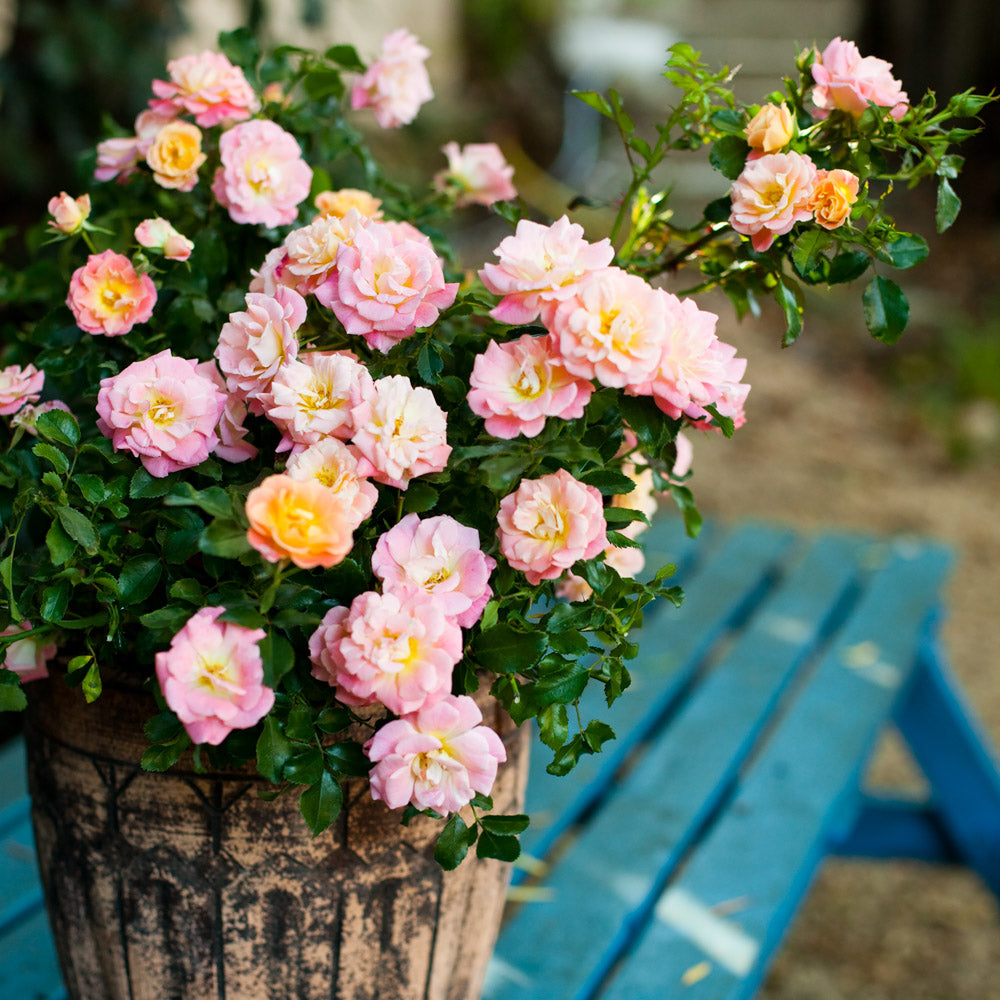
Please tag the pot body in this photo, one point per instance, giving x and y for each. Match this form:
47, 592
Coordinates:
186, 886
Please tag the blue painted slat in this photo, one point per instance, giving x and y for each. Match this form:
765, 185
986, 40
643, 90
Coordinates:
610, 874
29, 969
760, 858
21, 893
898, 828
13, 783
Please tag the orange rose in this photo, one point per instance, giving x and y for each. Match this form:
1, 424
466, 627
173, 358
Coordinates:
771, 128
301, 520
833, 195
175, 155
339, 203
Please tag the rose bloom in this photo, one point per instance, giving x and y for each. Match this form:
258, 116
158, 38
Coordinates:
771, 129
207, 86
331, 463
339, 203
547, 524
314, 396
233, 446
263, 177
212, 677
477, 173
436, 758
770, 195
256, 342
28, 415
175, 156
539, 265
387, 650
19, 387
27, 657
388, 285
518, 384
848, 81
311, 252
69, 214
834, 194
162, 411
396, 84
612, 328
299, 519
117, 159
107, 296
400, 432
158, 234
440, 557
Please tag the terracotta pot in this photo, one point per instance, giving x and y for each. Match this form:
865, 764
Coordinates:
181, 886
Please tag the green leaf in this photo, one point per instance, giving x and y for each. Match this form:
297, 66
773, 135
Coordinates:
322, 83
273, 750
553, 726
562, 686
188, 589
146, 487
429, 363
684, 499
278, 655
79, 528
597, 101
728, 155
169, 619
55, 601
503, 649
497, 845
58, 426
807, 251
224, 537
609, 482
53, 456
345, 56
948, 205
92, 685
214, 501
886, 309
597, 734
164, 755
321, 802
454, 842
419, 497
162, 728
60, 545
348, 758
305, 766
240, 47
848, 266
789, 296
12, 698
906, 250
138, 578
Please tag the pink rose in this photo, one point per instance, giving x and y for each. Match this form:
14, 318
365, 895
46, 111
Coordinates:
19, 387
436, 758
310, 257
333, 464
158, 234
440, 557
263, 177
396, 84
212, 677
27, 657
108, 296
400, 432
547, 524
387, 650
161, 410
477, 174
518, 384
28, 415
207, 86
849, 81
770, 195
540, 265
233, 446
118, 158
69, 214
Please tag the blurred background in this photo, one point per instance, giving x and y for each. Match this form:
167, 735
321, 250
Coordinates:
841, 429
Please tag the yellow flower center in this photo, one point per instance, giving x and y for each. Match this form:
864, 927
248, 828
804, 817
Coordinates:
162, 411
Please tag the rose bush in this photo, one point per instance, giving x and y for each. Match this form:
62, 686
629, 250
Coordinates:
274, 451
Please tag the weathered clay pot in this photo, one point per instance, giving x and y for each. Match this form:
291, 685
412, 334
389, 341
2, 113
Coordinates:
182, 886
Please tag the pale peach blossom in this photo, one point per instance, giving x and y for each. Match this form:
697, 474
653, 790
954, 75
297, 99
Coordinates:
398, 652
69, 214
298, 519
400, 432
770, 195
272, 273
107, 296
27, 657
207, 86
311, 252
333, 464
119, 158
396, 84
477, 174
834, 194
233, 445
175, 155
771, 129
339, 203
212, 676
518, 384
540, 265
848, 81
437, 758
548, 524
19, 387
158, 234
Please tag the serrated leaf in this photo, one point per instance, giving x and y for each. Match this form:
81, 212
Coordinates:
138, 578
609, 482
553, 726
848, 266
59, 544
429, 364
58, 426
224, 537
274, 750
453, 842
807, 251
501, 846
345, 56
419, 497
12, 698
321, 802
240, 47
55, 601
886, 309
728, 155
163, 756
278, 655
79, 528
92, 685
597, 101
789, 296
348, 758
143, 486
562, 686
53, 456
948, 205
906, 250
214, 501
505, 650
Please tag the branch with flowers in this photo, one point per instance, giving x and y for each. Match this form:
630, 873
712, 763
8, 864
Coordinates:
276, 456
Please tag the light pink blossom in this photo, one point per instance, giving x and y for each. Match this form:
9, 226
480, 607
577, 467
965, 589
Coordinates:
108, 296
207, 86
255, 342
518, 384
272, 274
27, 657
118, 158
314, 396
396, 84
848, 81
263, 177
436, 758
387, 285
547, 524
400, 432
332, 463
162, 411
311, 251
19, 387
540, 265
158, 234
611, 328
212, 677
771, 194
69, 214
440, 557
387, 650
477, 174
233, 446
28, 415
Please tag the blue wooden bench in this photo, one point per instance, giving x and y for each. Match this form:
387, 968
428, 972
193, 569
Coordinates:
672, 864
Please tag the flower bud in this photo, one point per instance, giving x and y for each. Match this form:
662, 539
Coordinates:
69, 214
771, 128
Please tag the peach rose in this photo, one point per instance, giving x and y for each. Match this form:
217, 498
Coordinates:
771, 195
771, 128
108, 296
69, 214
835, 192
175, 155
339, 203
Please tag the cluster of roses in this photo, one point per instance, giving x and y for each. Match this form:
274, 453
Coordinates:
778, 189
